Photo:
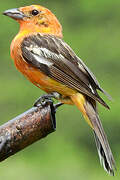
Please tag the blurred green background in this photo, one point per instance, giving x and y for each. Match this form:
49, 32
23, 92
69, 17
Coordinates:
92, 29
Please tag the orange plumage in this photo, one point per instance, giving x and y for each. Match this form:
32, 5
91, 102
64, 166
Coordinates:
41, 55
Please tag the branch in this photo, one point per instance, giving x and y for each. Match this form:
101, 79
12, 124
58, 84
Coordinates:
25, 129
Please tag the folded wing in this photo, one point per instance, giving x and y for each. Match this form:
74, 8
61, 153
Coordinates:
56, 59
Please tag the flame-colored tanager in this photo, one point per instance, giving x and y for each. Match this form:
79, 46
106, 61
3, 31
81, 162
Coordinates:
40, 53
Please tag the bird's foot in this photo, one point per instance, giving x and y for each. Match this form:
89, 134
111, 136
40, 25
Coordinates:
46, 99
57, 105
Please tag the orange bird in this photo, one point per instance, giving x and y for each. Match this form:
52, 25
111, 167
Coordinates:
49, 63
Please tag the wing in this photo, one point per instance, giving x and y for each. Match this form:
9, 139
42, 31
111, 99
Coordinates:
57, 60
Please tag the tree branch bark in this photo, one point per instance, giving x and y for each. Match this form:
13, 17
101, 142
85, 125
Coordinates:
25, 129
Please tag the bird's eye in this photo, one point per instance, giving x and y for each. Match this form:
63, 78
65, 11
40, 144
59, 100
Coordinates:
35, 12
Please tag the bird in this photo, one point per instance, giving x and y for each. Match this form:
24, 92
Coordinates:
45, 59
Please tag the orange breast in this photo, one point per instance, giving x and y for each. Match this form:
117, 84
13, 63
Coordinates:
34, 75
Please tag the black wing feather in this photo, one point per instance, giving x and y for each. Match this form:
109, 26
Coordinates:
57, 60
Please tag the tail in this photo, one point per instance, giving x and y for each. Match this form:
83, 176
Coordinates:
89, 111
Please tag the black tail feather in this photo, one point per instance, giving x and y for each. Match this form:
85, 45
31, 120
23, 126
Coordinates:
104, 151
108, 164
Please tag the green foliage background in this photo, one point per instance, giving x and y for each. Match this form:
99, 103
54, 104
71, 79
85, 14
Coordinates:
92, 29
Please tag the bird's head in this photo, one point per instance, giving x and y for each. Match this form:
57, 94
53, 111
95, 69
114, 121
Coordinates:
36, 18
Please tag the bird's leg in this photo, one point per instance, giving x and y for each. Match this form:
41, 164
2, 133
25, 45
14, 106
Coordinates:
47, 98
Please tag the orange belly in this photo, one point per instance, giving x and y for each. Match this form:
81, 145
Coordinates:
44, 82
36, 77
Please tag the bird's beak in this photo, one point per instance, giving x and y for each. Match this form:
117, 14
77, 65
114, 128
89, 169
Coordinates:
14, 13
